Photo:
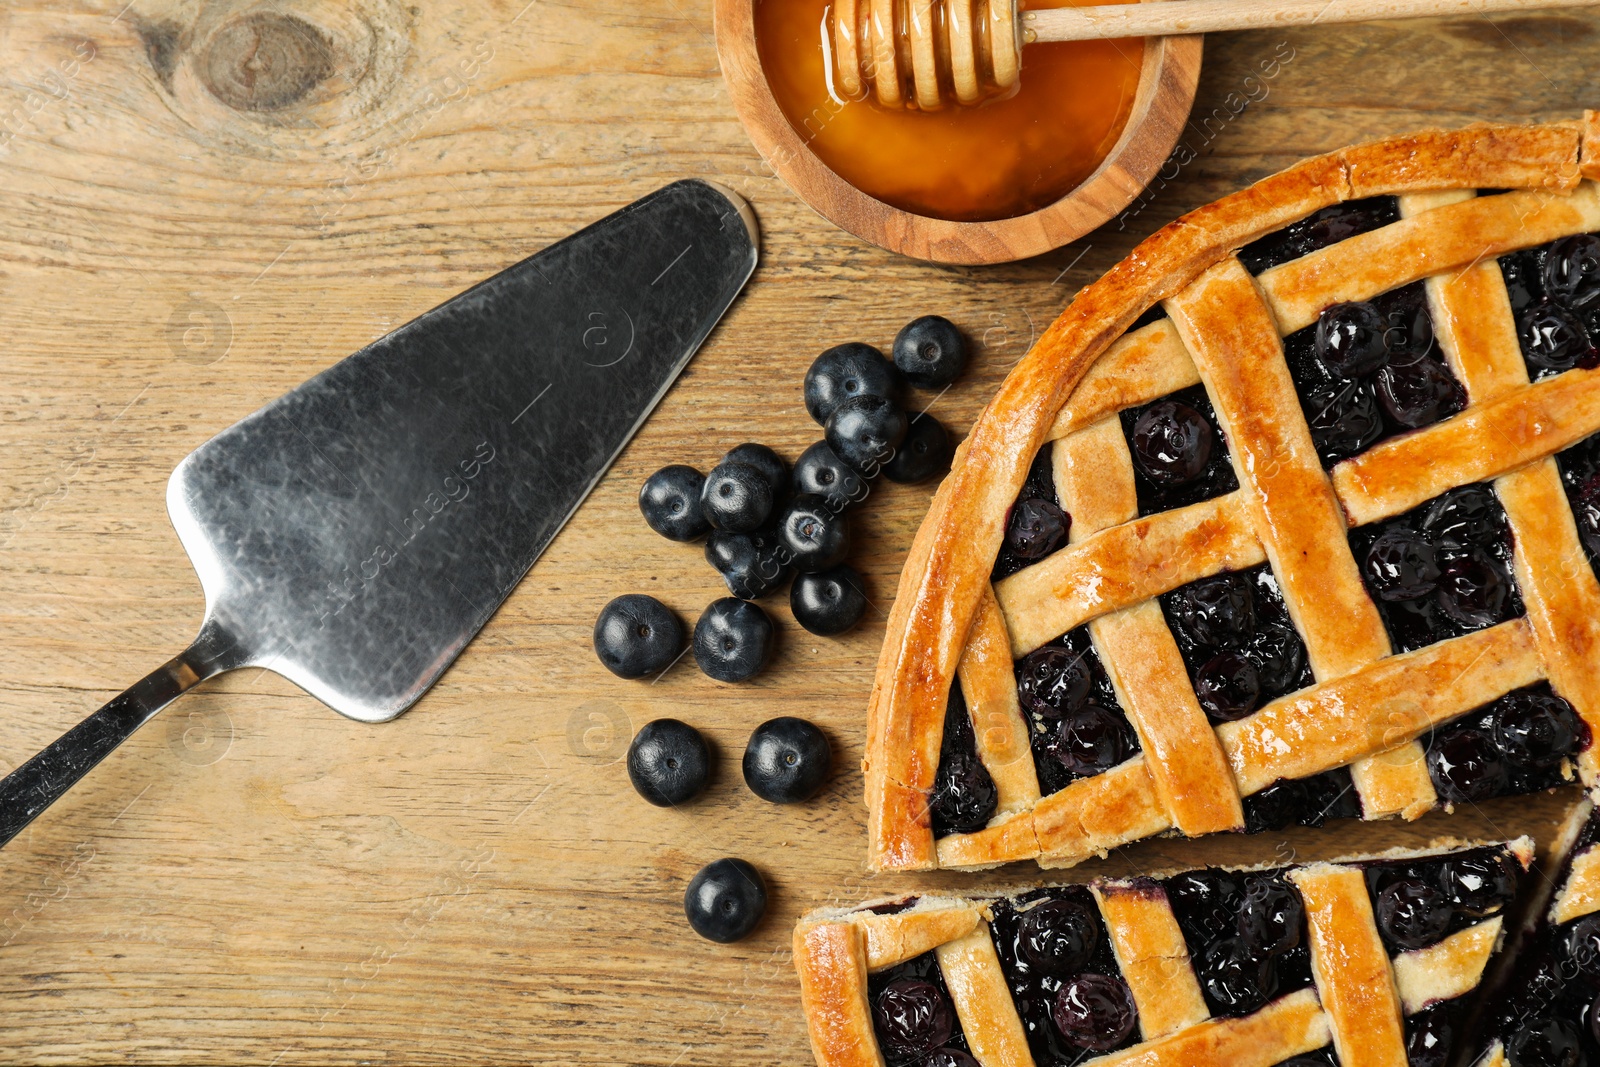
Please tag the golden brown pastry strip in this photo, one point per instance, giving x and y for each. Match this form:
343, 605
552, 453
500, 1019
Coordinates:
1350, 967
1153, 957
1144, 365
1580, 894
978, 987
893, 939
831, 960
1287, 1027
1446, 970
989, 683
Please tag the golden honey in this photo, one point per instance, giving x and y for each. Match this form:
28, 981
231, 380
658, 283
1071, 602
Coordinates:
993, 160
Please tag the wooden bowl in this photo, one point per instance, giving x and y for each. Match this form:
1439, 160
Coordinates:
1167, 81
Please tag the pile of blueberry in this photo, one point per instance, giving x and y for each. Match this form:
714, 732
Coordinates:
1555, 294
763, 523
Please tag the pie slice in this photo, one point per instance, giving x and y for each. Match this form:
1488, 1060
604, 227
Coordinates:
1293, 515
1364, 962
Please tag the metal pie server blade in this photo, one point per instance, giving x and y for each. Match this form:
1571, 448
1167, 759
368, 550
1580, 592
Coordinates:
354, 534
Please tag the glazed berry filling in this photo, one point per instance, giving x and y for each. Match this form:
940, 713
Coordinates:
964, 796
1340, 222
1063, 977
1076, 727
1420, 903
1322, 1057
1430, 1034
1035, 526
1442, 569
912, 1012
1180, 456
1520, 743
1234, 633
1555, 296
1246, 935
1302, 802
1369, 370
1580, 474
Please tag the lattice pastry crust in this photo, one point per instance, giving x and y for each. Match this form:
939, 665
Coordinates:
1223, 328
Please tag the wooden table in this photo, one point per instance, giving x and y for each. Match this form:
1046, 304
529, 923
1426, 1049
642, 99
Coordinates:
203, 204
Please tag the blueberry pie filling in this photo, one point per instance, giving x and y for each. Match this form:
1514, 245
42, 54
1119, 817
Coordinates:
1329, 226
964, 794
1076, 727
1580, 476
1035, 526
1180, 456
1555, 297
912, 1014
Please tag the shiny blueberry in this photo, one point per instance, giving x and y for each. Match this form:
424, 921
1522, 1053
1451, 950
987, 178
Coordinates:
1349, 339
1586, 509
1227, 686
949, 1057
1523, 276
725, 900
1465, 765
930, 352
1413, 914
815, 535
1583, 945
1270, 916
964, 795
1090, 740
787, 760
732, 640
1278, 656
1216, 612
1058, 937
1344, 418
1052, 680
828, 602
670, 503
924, 453
1171, 442
1480, 885
1536, 729
820, 471
1235, 978
637, 635
1544, 1043
668, 762
846, 371
752, 564
912, 1018
1429, 1037
865, 430
765, 460
1094, 1011
1572, 271
1401, 565
1471, 515
1275, 807
1207, 901
1474, 591
736, 497
1553, 338
1419, 392
1036, 528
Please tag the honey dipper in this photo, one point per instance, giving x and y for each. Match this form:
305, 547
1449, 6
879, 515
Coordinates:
919, 53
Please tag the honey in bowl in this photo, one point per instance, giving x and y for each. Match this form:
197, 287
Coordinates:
995, 160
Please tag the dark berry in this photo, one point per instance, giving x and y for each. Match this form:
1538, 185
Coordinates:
1471, 515
1401, 565
1052, 680
1205, 901
1474, 591
1235, 979
1349, 340
1216, 612
1334, 224
1522, 271
1465, 765
1270, 916
765, 460
787, 760
1036, 528
846, 371
924, 453
668, 762
1429, 1037
930, 352
725, 900
1594, 1021
1279, 658
732, 640
1091, 739
1413, 914
1583, 945
1544, 1043
670, 503
636, 635
1343, 417
949, 1057
1553, 337
828, 602
865, 430
752, 565
1480, 885
912, 1018
1171, 442
1419, 392
1058, 937
1536, 729
1586, 509
1094, 1011
1227, 686
820, 471
1275, 807
736, 497
964, 795
1572, 271
815, 535
1408, 329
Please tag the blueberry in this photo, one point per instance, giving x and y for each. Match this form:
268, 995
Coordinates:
736, 498
765, 460
1270, 916
1544, 1043
846, 371
820, 471
1419, 392
930, 352
1474, 590
1343, 417
725, 900
752, 564
1278, 656
1275, 807
670, 502
1553, 338
1227, 686
1465, 765
1586, 509
1235, 979
924, 453
864, 431
787, 760
1350, 340
1413, 914
1091, 740
949, 1057
1536, 729
668, 762
1471, 515
1052, 680
1583, 945
964, 796
1094, 1011
1036, 528
1216, 612
1480, 885
815, 536
1522, 272
1572, 271
1429, 1037
636, 635
1401, 565
1171, 443
1409, 326
1206, 902
828, 602
1058, 937
732, 640
912, 1018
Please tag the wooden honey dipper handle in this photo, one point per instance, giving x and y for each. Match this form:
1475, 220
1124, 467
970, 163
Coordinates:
1208, 16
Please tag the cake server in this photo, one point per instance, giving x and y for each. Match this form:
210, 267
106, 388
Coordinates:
354, 534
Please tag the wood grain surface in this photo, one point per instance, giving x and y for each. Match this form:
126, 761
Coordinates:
202, 204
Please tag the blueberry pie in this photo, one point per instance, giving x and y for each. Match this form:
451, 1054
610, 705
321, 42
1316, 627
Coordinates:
1351, 963
1291, 516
